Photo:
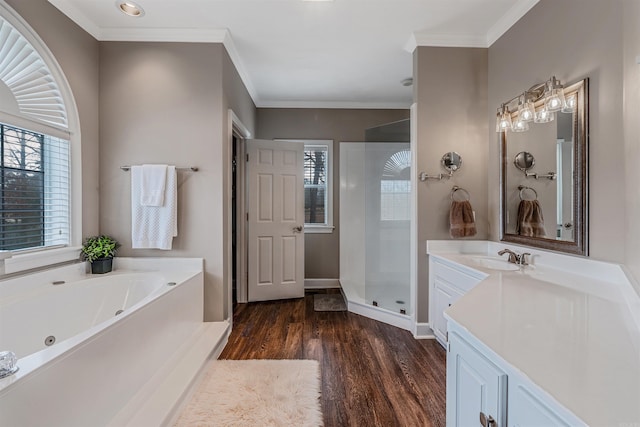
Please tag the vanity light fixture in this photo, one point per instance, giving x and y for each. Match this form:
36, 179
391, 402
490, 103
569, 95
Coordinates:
504, 119
526, 109
130, 8
519, 125
555, 95
548, 96
570, 103
544, 116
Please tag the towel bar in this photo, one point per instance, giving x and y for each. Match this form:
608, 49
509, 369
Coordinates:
126, 168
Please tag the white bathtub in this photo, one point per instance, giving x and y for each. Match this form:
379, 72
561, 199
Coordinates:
103, 366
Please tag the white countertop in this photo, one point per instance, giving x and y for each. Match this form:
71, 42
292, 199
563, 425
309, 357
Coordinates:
572, 333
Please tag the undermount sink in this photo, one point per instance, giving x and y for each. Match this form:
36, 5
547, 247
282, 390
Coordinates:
494, 263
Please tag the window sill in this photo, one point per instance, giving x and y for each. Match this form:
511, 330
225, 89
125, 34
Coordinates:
43, 258
318, 229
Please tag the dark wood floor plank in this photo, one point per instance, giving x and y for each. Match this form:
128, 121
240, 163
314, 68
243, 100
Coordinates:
372, 374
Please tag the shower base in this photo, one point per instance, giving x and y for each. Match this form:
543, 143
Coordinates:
388, 309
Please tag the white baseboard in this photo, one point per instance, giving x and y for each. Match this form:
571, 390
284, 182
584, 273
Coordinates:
422, 331
321, 284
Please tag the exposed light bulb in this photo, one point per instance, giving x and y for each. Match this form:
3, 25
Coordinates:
555, 95
520, 126
570, 104
503, 122
544, 116
527, 111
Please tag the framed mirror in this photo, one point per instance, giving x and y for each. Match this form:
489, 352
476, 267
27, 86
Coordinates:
550, 161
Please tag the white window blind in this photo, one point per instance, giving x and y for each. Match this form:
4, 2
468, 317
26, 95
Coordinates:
395, 200
315, 183
34, 190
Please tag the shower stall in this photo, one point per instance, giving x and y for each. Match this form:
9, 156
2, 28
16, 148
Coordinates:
375, 230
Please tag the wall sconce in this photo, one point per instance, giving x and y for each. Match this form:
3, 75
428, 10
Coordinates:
548, 96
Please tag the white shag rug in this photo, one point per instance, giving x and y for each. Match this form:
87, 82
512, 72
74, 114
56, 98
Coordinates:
256, 393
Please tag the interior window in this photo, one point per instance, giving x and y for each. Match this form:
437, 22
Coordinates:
315, 184
34, 190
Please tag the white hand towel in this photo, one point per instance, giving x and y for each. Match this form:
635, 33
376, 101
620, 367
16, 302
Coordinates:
154, 226
152, 185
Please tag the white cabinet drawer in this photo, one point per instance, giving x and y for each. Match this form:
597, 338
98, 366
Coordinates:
453, 277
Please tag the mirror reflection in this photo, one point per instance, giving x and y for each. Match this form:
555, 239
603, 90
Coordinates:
451, 161
524, 161
544, 180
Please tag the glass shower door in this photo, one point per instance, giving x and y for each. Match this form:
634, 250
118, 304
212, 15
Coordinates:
387, 225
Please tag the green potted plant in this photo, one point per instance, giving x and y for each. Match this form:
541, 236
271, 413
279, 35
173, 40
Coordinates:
99, 251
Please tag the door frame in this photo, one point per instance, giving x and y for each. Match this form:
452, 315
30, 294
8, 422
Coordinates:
236, 128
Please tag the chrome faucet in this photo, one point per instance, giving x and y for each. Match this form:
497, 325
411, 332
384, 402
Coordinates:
514, 258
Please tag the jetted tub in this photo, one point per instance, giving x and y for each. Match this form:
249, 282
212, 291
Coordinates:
111, 333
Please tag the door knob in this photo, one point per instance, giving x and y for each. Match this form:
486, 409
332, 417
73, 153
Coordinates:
297, 229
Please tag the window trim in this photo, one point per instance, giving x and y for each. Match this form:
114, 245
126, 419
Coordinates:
328, 227
22, 260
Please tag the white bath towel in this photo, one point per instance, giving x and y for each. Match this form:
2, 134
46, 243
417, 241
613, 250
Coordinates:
154, 226
152, 185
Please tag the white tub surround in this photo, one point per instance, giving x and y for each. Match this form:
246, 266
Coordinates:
130, 368
561, 337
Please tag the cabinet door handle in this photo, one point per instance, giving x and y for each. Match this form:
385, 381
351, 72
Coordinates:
487, 421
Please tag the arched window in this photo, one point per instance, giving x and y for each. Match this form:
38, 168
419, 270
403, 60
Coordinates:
38, 137
395, 188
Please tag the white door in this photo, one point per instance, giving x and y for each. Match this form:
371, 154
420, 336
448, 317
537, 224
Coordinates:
275, 182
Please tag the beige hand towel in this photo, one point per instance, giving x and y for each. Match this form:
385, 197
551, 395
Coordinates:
461, 221
530, 220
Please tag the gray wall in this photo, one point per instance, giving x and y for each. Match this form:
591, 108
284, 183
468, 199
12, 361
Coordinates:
450, 88
631, 72
571, 39
77, 53
167, 103
322, 251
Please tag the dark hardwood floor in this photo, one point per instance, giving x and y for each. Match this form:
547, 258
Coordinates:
373, 374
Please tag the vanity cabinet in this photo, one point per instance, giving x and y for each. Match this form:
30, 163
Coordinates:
447, 284
477, 386
483, 390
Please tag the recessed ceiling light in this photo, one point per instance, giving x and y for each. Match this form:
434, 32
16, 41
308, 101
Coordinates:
130, 8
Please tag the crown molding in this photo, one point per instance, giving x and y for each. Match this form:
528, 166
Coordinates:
411, 44
168, 35
509, 19
337, 105
447, 40
240, 67
503, 24
77, 16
